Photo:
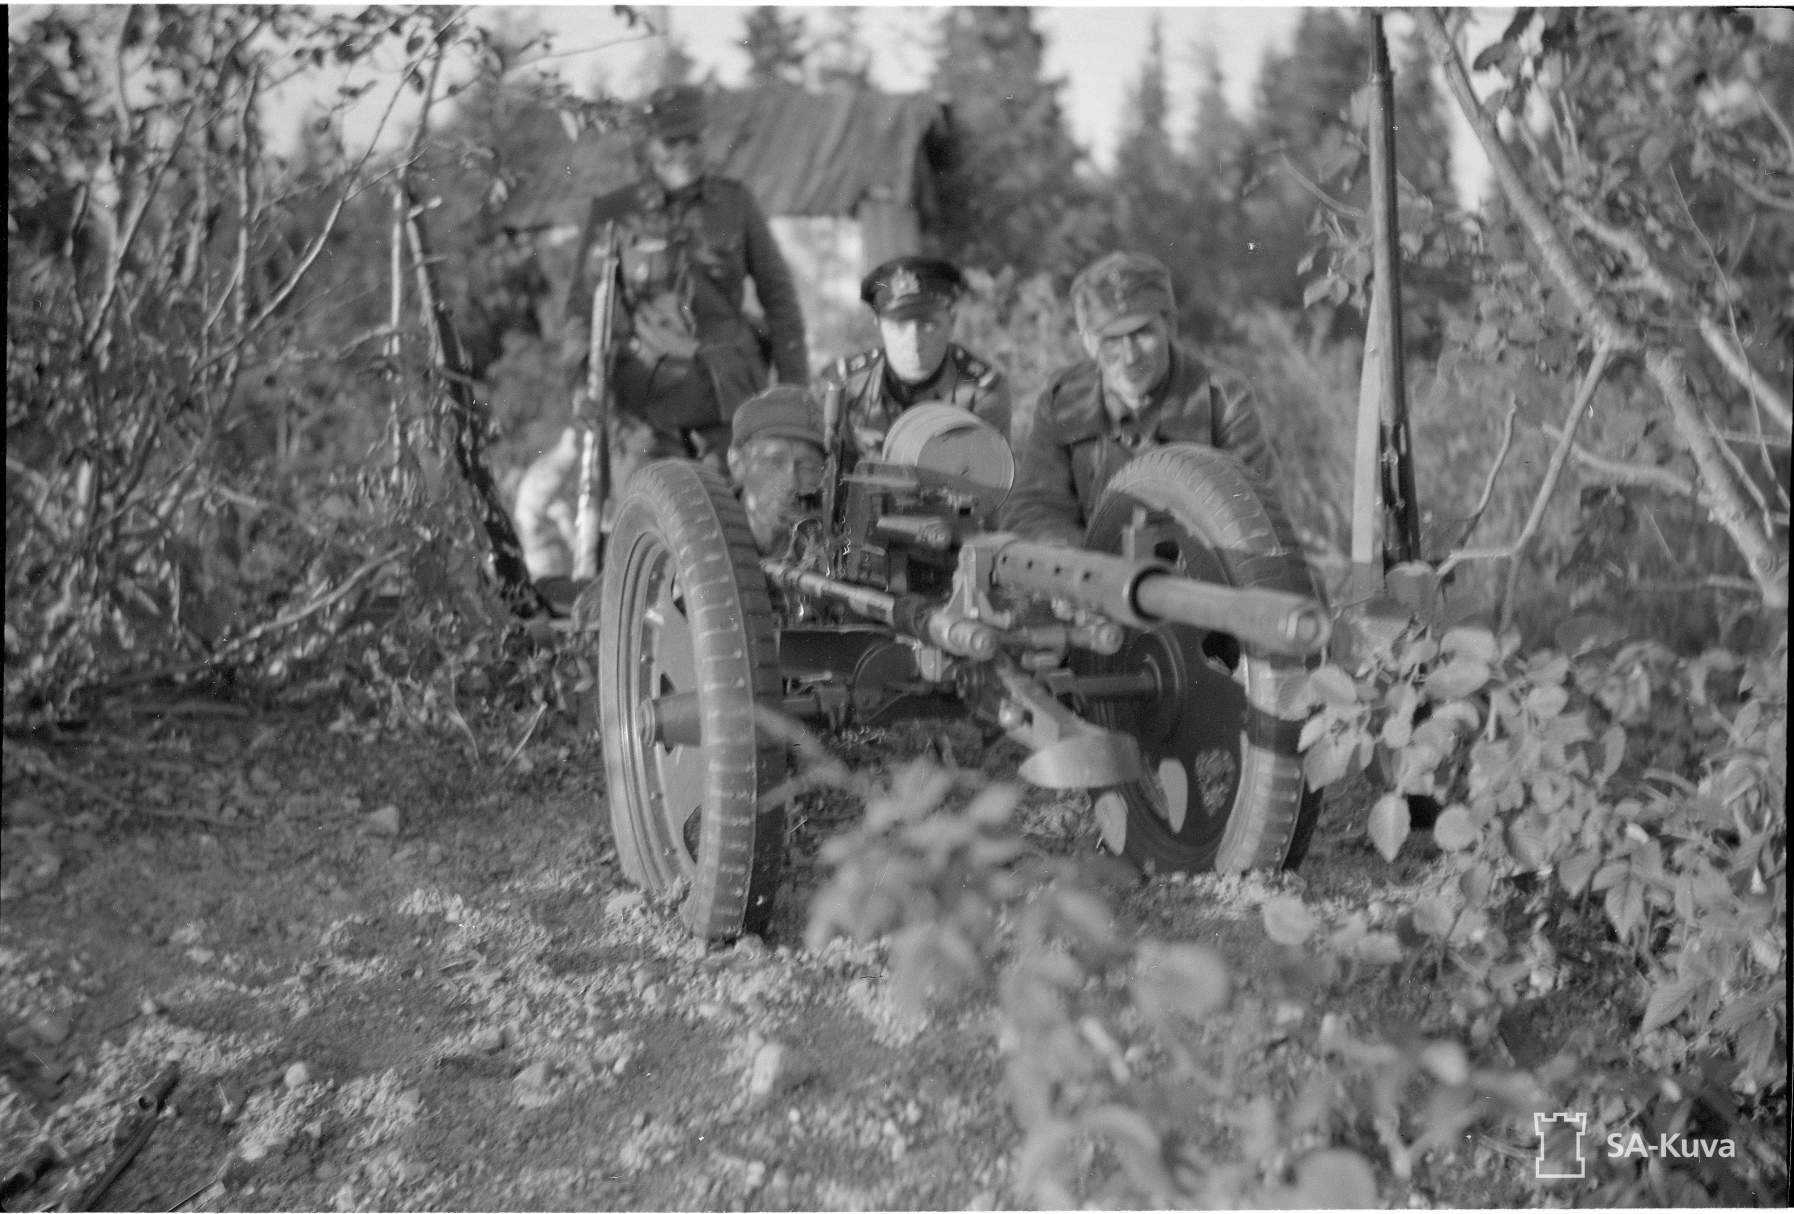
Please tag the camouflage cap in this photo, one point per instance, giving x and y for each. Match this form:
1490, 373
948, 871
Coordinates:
911, 286
675, 111
1120, 292
782, 411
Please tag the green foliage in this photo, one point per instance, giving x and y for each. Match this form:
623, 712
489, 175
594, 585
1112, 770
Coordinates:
1112, 1064
212, 472
1606, 799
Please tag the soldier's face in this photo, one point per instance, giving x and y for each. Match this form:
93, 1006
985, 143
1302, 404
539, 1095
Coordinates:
774, 475
916, 345
676, 163
1135, 362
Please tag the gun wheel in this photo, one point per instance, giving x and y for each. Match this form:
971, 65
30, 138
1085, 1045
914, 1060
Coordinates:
686, 647
1220, 735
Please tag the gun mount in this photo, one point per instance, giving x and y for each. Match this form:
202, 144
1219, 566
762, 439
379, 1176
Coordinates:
1159, 667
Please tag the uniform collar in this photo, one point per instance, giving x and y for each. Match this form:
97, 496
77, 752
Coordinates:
666, 199
908, 394
1086, 410
1177, 371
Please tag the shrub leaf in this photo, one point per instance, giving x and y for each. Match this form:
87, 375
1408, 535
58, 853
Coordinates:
1389, 823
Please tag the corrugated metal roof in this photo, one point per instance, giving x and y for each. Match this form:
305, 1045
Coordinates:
801, 153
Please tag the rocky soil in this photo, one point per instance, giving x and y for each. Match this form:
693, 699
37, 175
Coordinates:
400, 974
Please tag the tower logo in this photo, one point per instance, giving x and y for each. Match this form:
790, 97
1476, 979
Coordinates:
1560, 1145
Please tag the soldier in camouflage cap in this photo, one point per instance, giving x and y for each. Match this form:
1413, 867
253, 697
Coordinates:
776, 462
914, 300
1138, 388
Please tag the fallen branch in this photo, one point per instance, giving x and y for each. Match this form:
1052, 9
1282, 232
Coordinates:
336, 595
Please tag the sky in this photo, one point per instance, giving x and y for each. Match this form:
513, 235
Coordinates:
1095, 50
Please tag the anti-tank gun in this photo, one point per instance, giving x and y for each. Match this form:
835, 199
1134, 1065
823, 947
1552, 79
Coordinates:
1160, 666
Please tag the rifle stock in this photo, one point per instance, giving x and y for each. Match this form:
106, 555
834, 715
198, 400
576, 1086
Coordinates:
593, 418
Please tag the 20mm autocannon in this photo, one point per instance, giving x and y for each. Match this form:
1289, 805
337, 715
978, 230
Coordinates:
1160, 667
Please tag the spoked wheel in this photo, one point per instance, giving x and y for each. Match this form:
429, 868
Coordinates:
686, 649
1220, 733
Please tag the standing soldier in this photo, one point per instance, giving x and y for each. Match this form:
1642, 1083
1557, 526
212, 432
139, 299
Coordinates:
915, 300
685, 355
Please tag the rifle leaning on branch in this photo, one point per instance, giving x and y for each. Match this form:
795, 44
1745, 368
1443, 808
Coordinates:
592, 414
471, 420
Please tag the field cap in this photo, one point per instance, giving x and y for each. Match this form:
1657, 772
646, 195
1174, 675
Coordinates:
911, 286
675, 111
783, 411
1120, 292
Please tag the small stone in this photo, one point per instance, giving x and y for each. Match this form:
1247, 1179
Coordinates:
52, 1028
778, 1189
150, 1007
653, 995
411, 1102
750, 947
776, 1068
297, 1075
383, 822
533, 1083
490, 1039
433, 854
627, 902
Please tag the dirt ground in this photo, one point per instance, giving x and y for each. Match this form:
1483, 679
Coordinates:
399, 975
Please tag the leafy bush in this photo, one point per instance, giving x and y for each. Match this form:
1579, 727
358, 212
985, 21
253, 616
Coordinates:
1606, 800
1115, 1069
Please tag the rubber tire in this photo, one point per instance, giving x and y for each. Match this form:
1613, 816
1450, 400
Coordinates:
1224, 532
684, 609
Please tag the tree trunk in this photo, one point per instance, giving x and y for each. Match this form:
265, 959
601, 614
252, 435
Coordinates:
1721, 494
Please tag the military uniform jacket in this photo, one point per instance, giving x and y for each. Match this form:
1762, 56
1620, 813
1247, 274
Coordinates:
686, 257
1076, 445
872, 399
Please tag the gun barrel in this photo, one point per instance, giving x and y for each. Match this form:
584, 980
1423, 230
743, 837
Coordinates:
1141, 593
908, 614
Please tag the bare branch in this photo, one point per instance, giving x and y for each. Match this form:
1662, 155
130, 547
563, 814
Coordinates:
1507, 443
1729, 351
1325, 199
367, 568
1721, 495
1591, 379
1779, 202
1775, 119
1620, 473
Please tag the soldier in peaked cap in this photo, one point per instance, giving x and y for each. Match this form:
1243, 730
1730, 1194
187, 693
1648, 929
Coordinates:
687, 355
914, 300
1138, 388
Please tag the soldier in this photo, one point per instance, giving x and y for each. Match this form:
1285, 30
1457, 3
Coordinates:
776, 462
1137, 389
685, 355
914, 299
